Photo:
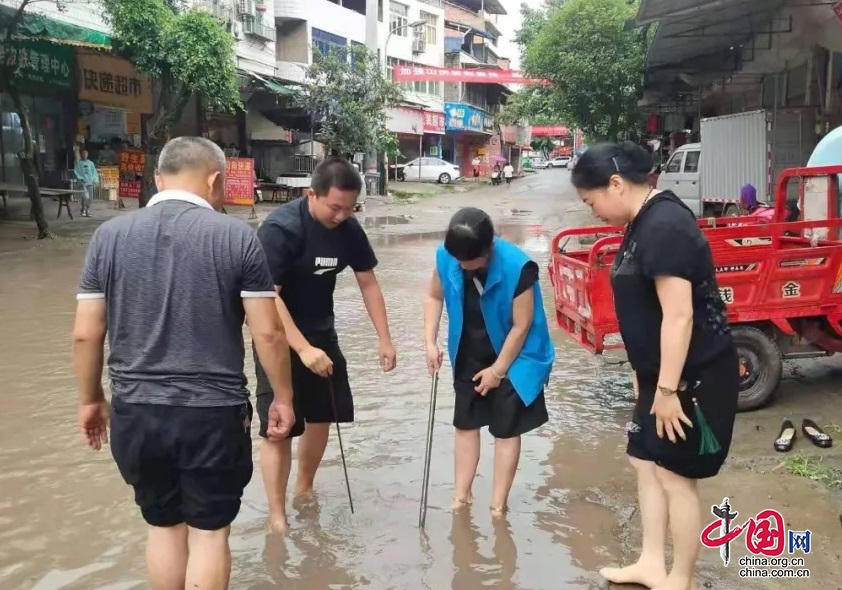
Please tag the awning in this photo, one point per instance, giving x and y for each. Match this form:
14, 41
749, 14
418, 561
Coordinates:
465, 29
711, 29
39, 26
277, 87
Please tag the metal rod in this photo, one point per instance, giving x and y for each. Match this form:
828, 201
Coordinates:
341, 446
425, 486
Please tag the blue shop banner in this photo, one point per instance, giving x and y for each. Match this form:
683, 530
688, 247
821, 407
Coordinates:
462, 117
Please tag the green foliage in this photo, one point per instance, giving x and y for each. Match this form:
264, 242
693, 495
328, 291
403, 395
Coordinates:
533, 104
187, 51
594, 66
544, 145
349, 94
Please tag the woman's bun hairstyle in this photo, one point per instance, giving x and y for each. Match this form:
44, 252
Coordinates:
597, 165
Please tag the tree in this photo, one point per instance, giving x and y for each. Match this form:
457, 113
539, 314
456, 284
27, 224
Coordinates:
348, 94
187, 51
593, 64
9, 85
544, 145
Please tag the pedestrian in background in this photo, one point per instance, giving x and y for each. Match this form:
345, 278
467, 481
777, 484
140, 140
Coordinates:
508, 172
675, 330
170, 286
87, 174
499, 347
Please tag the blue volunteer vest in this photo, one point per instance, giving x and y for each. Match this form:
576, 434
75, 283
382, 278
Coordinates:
530, 372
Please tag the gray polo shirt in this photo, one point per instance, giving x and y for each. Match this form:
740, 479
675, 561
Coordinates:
173, 276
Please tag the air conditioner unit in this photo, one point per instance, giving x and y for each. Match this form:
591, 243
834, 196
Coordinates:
237, 30
245, 6
419, 45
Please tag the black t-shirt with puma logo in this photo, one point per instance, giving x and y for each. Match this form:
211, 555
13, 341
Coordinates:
305, 257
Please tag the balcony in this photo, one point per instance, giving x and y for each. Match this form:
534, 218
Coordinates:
254, 28
219, 8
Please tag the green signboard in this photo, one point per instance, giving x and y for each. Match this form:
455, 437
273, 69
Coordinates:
41, 64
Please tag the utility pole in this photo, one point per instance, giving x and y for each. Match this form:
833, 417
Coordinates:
372, 42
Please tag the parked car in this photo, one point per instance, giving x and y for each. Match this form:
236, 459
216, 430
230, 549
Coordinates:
540, 163
559, 162
427, 169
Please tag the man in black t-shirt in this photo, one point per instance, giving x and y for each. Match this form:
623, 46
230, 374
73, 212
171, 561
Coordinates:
308, 242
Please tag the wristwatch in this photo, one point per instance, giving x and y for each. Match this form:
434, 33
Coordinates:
666, 390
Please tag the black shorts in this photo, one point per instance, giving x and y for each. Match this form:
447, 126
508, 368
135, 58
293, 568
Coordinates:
716, 386
186, 465
501, 410
312, 398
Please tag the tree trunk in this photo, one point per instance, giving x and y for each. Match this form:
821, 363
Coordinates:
27, 165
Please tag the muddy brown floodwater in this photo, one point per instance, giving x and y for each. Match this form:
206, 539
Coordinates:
67, 521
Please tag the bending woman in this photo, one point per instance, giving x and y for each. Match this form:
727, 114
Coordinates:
674, 327
498, 343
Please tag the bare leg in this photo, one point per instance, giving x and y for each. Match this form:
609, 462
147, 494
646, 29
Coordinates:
209, 565
506, 458
166, 557
685, 527
466, 451
275, 464
311, 449
650, 570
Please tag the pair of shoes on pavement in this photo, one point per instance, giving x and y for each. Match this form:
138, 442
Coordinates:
786, 437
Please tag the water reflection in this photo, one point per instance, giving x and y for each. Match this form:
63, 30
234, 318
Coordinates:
56, 493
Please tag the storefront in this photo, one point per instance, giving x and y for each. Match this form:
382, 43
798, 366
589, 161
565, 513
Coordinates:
46, 78
114, 101
419, 132
469, 131
511, 144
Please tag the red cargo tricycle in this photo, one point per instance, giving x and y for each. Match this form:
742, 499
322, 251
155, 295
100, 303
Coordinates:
781, 281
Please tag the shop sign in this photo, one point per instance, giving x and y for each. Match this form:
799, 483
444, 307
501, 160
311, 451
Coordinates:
131, 173
463, 117
40, 63
239, 181
433, 122
113, 82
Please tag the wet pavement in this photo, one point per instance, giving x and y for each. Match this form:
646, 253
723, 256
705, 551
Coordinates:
67, 521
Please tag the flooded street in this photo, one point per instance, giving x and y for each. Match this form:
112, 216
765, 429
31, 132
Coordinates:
67, 520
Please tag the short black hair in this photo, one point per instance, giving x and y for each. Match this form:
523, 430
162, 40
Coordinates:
338, 173
597, 165
470, 234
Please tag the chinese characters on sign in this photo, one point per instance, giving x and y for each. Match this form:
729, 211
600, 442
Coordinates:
131, 173
727, 295
475, 76
40, 63
239, 181
433, 122
766, 539
113, 82
462, 117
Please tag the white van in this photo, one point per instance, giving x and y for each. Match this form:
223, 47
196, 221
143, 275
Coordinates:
682, 175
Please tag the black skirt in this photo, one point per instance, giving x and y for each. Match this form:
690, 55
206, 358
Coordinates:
715, 385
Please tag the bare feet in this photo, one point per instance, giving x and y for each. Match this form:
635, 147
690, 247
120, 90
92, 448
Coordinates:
461, 502
676, 583
499, 512
642, 574
279, 524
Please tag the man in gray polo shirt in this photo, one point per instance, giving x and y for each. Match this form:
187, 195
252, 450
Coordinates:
171, 285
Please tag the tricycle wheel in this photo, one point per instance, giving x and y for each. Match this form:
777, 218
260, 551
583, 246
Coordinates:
761, 367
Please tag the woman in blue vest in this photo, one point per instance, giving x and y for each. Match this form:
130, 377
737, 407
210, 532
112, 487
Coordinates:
498, 343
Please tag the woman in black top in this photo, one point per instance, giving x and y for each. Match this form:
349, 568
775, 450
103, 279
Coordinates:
674, 327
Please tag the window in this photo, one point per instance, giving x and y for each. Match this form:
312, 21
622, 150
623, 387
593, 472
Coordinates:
398, 19
691, 162
674, 165
433, 88
325, 43
380, 11
430, 29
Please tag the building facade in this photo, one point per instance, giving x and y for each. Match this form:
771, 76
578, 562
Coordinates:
471, 39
